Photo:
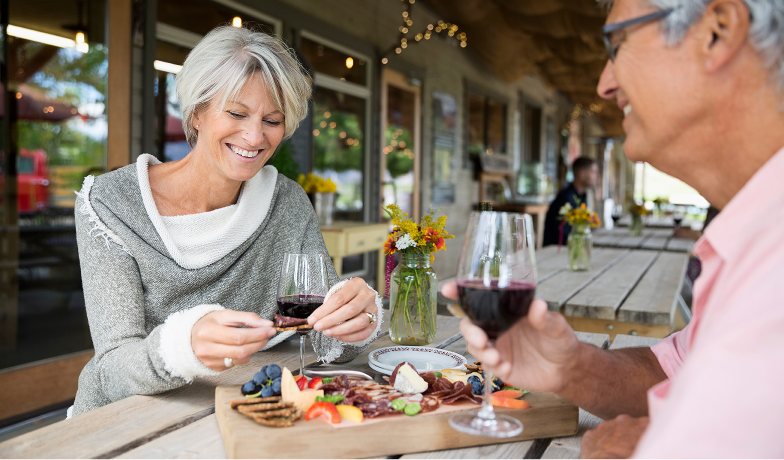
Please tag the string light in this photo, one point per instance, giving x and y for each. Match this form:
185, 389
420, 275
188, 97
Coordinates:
440, 26
349, 62
236, 22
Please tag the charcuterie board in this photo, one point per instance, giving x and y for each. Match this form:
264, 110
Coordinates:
549, 416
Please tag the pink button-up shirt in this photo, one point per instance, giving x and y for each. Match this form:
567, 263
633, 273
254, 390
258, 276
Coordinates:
725, 392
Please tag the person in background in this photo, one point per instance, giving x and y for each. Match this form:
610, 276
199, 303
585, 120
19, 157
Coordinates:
586, 173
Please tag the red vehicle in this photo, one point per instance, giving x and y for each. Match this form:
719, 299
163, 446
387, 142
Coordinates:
32, 181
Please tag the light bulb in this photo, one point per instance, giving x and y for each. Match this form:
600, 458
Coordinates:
349, 62
236, 22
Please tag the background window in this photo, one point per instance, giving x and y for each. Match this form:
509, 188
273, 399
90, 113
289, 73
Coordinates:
486, 124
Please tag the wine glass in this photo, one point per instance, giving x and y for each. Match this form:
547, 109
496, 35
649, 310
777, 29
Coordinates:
677, 217
496, 280
616, 214
304, 281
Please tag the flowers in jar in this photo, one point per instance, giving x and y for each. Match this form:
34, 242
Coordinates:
316, 184
426, 238
579, 217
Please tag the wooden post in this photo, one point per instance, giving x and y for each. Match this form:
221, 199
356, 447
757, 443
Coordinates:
119, 85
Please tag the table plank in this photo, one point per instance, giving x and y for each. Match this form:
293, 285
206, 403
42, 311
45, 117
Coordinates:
633, 341
655, 242
136, 421
201, 439
654, 299
680, 245
551, 266
602, 298
569, 446
558, 289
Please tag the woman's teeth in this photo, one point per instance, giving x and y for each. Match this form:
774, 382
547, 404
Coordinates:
245, 153
627, 109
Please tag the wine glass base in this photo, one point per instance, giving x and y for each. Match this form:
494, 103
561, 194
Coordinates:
503, 426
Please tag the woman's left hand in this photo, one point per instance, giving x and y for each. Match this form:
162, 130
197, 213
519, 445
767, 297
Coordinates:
342, 315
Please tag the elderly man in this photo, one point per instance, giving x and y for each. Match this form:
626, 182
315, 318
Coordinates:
701, 85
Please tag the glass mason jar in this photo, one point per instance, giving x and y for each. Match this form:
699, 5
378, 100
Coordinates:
635, 226
580, 245
412, 300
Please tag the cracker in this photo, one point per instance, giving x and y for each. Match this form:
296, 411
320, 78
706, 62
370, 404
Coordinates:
303, 327
280, 422
244, 402
273, 413
264, 407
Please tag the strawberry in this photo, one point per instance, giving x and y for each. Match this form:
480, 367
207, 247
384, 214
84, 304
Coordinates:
302, 382
325, 410
315, 383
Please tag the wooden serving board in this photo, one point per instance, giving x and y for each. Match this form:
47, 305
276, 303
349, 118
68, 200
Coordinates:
549, 416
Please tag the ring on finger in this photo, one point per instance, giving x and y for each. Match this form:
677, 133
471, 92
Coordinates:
371, 316
228, 362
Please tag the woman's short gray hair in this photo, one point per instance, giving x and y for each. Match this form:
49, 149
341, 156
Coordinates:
766, 33
222, 63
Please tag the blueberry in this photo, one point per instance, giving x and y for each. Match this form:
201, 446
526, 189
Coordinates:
273, 371
472, 379
266, 392
264, 369
260, 378
497, 384
249, 388
476, 388
276, 386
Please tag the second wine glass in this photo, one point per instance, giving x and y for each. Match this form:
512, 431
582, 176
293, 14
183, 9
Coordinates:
303, 284
496, 280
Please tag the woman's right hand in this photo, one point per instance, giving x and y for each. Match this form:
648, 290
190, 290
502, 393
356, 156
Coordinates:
229, 334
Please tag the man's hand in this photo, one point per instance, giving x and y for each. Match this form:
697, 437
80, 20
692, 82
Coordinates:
536, 353
229, 334
616, 438
343, 315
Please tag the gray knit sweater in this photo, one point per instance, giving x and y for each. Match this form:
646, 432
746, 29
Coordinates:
141, 303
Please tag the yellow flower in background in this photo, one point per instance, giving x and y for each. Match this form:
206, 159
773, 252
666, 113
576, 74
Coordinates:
316, 184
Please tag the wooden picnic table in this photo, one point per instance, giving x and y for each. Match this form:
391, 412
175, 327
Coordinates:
626, 291
182, 422
661, 239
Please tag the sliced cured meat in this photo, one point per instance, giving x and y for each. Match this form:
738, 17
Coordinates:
429, 377
288, 321
429, 404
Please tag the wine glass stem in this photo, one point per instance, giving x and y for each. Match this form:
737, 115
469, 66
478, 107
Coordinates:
301, 355
487, 413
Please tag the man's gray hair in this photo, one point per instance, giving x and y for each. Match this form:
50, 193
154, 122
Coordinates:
223, 62
766, 33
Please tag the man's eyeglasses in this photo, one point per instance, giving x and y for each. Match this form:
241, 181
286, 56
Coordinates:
615, 34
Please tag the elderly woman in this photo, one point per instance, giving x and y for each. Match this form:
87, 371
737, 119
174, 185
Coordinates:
180, 261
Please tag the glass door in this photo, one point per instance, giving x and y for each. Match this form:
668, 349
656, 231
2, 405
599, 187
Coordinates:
401, 143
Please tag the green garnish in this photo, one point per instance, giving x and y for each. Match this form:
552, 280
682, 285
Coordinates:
254, 395
412, 409
399, 404
438, 374
334, 399
510, 387
326, 380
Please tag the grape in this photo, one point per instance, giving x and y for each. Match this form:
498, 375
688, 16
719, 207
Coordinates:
260, 377
250, 388
399, 404
273, 371
476, 387
276, 386
266, 392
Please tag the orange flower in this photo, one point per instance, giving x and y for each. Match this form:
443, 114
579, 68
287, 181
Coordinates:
434, 236
389, 245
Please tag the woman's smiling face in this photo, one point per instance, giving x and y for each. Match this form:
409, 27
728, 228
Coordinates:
238, 140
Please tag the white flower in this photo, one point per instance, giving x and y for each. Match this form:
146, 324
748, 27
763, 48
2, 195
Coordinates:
565, 209
404, 242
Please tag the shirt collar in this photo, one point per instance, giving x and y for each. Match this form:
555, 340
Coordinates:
736, 224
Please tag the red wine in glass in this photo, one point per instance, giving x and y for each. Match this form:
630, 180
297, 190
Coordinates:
496, 281
495, 309
303, 284
299, 306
